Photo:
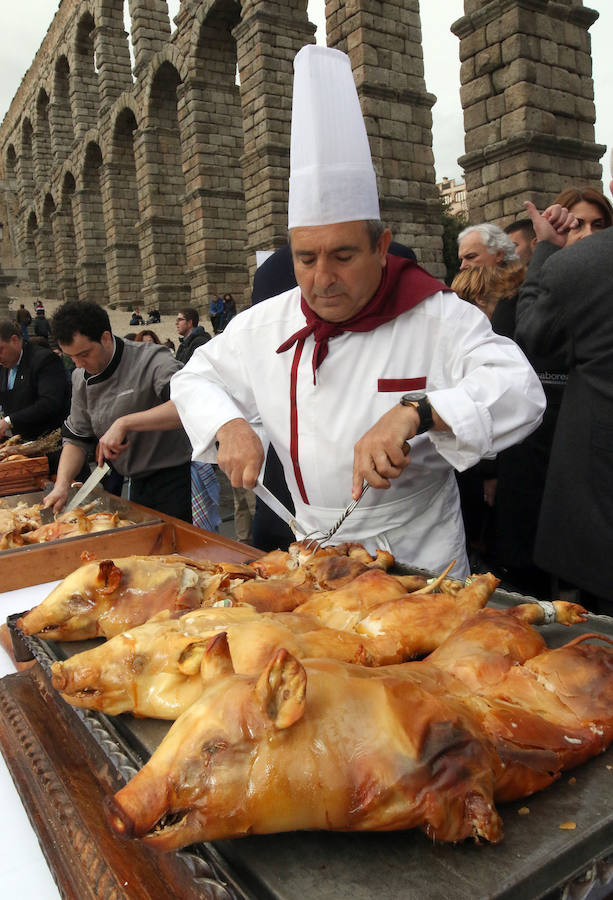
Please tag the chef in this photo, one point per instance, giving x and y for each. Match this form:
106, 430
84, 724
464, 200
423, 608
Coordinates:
369, 369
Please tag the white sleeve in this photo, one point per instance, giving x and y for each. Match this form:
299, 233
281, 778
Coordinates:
486, 391
212, 388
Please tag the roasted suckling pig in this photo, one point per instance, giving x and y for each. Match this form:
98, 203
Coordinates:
105, 598
492, 715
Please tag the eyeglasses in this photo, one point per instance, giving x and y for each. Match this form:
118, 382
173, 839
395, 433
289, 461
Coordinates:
180, 319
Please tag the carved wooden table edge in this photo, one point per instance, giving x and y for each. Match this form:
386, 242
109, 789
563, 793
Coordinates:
62, 778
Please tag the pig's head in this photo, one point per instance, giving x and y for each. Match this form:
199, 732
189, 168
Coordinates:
199, 783
105, 598
151, 670
71, 610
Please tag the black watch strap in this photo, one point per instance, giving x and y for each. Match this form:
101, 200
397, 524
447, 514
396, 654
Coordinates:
424, 411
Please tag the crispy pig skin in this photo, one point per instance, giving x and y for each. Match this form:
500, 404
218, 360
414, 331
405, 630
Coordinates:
320, 746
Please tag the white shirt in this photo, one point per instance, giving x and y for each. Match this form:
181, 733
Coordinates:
480, 384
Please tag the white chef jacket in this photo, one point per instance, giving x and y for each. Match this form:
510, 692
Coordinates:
480, 384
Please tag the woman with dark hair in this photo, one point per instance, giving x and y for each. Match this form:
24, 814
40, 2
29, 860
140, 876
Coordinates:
147, 336
591, 208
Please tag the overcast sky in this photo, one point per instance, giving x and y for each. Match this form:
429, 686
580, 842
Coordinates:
23, 25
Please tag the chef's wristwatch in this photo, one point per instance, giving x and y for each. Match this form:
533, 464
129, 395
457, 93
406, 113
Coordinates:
419, 401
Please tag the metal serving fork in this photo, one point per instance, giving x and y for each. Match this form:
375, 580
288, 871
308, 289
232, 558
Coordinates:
312, 542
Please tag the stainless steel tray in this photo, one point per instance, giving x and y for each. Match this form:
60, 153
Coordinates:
104, 502
536, 858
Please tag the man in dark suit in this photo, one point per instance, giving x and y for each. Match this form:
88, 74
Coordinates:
34, 392
565, 302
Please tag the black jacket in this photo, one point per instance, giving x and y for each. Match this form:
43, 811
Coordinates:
196, 338
565, 301
40, 398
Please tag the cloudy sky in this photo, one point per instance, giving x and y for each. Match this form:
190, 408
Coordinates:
23, 25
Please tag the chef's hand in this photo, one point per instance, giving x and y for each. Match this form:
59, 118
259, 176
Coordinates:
240, 453
383, 452
4, 428
113, 442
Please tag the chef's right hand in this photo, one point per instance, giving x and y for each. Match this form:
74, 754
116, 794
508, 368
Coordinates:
56, 498
240, 453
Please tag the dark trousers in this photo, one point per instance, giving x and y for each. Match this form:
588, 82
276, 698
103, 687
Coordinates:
168, 491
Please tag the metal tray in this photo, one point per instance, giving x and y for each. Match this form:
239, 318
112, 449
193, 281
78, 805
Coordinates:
104, 502
536, 858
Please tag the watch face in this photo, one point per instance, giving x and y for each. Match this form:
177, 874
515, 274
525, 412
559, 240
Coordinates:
413, 396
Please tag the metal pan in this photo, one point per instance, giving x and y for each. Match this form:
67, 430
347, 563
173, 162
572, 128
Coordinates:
535, 859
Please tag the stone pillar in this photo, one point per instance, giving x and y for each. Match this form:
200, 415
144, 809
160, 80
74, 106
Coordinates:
60, 112
528, 100
268, 37
387, 61
120, 204
90, 242
160, 226
41, 151
150, 30
45, 253
84, 98
63, 229
112, 57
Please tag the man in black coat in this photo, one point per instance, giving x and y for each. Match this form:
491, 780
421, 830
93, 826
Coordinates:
34, 392
565, 301
192, 334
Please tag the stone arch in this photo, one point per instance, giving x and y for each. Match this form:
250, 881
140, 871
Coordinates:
170, 56
121, 199
10, 161
30, 251
62, 127
84, 86
89, 226
42, 137
212, 129
159, 160
45, 249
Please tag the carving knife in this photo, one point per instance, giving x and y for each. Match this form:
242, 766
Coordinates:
277, 507
84, 491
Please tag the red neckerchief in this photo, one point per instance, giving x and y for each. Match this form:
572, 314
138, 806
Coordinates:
403, 285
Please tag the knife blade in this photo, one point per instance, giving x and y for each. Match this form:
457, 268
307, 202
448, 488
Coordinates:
84, 491
277, 507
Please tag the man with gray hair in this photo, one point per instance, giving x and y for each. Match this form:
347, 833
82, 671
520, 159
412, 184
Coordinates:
485, 245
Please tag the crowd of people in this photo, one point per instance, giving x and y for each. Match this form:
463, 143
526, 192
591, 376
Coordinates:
479, 415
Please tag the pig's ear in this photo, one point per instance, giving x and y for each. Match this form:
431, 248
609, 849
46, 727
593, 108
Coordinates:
108, 577
281, 689
216, 661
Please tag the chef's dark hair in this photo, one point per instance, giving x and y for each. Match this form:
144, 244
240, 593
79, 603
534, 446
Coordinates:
83, 317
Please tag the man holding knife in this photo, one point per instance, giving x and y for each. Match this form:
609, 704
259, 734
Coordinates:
114, 378
367, 354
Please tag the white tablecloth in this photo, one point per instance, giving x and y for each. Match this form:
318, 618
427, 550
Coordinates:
23, 869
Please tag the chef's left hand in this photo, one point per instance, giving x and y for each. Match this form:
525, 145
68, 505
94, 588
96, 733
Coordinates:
112, 443
383, 452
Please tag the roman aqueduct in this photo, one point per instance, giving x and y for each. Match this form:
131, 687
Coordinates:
149, 175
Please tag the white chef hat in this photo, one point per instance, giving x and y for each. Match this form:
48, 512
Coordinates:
332, 178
